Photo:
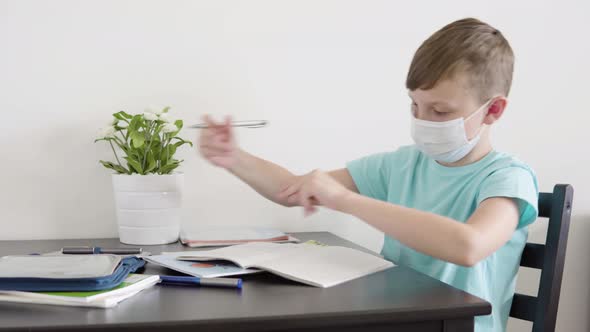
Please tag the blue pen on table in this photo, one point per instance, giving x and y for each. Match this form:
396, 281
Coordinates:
191, 281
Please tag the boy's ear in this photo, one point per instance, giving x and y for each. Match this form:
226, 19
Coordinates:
495, 110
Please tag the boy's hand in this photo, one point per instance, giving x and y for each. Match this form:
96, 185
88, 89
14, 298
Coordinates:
315, 188
217, 143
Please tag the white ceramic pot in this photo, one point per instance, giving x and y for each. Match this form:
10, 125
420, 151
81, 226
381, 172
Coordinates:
148, 207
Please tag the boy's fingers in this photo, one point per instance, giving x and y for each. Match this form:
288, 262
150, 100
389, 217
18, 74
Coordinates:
207, 119
220, 139
213, 138
205, 134
225, 145
225, 135
214, 152
311, 211
304, 201
212, 132
227, 128
290, 190
216, 145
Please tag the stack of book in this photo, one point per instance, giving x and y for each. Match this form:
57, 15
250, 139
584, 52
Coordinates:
132, 285
100, 281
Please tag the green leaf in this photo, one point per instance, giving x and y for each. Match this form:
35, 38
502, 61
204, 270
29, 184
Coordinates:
124, 148
120, 116
171, 150
121, 169
107, 164
166, 109
126, 115
134, 153
155, 149
138, 139
157, 130
164, 157
135, 165
178, 124
169, 168
181, 141
136, 123
151, 162
114, 166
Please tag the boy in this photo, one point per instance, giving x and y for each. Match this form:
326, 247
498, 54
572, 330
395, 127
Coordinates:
450, 206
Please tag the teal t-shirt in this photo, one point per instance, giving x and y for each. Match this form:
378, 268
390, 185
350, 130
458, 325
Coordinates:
409, 178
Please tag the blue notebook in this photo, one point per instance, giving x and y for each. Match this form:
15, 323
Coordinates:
33, 284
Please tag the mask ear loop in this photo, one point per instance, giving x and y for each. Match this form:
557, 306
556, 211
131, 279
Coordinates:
485, 106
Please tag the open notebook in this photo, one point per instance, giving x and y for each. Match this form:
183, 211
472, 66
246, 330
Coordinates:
320, 266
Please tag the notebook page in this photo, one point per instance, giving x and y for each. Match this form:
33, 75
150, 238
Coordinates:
326, 266
311, 264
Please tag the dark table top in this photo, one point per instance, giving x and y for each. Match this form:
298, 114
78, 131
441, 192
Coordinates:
398, 294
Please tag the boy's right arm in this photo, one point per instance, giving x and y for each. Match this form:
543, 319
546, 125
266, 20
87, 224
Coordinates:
217, 145
263, 176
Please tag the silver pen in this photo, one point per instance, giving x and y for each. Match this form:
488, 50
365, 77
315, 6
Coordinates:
245, 124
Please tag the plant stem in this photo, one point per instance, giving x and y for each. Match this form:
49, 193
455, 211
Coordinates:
149, 134
159, 161
116, 156
123, 136
122, 145
168, 151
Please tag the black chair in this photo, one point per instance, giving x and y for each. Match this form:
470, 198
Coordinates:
549, 257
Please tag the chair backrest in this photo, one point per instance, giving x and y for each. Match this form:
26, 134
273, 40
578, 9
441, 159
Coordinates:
549, 257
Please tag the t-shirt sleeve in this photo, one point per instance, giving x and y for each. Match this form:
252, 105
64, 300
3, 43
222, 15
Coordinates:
514, 182
371, 175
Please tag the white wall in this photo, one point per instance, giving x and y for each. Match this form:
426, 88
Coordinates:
328, 75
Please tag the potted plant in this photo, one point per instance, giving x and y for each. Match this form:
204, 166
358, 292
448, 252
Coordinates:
147, 190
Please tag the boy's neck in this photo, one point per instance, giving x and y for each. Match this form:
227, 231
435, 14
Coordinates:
481, 149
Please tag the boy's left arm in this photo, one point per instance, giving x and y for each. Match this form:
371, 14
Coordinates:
489, 227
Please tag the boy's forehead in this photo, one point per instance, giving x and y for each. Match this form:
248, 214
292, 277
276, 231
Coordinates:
452, 92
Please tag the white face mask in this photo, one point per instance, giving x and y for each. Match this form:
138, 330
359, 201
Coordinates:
444, 141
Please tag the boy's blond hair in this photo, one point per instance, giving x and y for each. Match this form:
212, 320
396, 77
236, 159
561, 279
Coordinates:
468, 46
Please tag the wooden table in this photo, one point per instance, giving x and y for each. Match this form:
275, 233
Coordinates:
398, 299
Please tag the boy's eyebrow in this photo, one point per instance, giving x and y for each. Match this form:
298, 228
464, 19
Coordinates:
436, 103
